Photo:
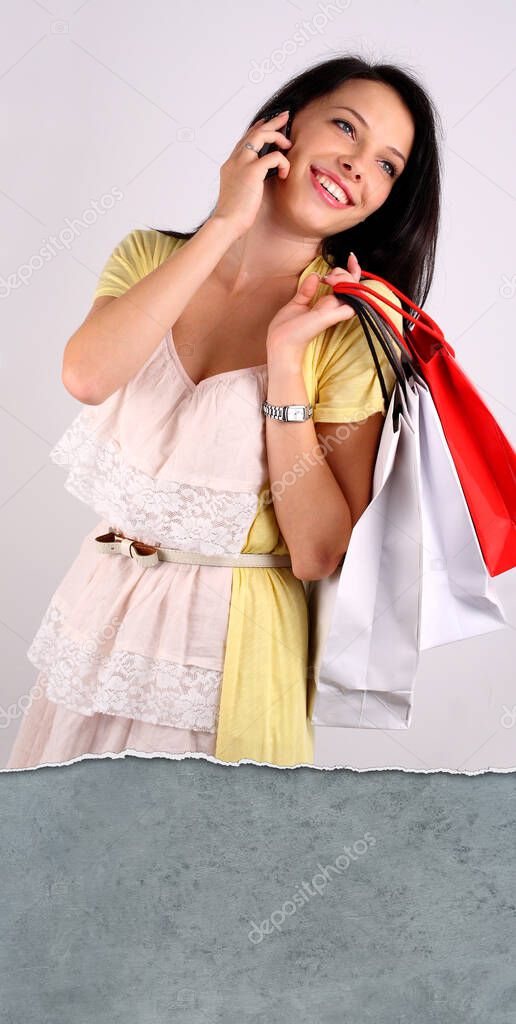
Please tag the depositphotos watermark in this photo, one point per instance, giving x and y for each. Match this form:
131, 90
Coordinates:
304, 30
55, 243
317, 454
306, 890
23, 704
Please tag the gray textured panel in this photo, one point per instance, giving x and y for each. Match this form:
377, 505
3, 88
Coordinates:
130, 888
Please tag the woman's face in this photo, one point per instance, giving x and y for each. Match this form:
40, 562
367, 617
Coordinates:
331, 141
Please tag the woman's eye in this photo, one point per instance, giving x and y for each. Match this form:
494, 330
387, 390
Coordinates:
340, 121
392, 172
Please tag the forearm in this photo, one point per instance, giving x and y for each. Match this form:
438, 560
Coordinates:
312, 512
116, 340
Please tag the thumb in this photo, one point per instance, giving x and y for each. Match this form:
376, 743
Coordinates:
307, 289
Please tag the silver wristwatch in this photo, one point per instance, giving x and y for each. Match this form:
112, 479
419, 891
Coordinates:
287, 413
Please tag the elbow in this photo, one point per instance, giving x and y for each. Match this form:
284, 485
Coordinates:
77, 385
318, 568
78, 389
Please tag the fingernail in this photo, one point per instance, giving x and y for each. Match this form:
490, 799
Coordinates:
352, 254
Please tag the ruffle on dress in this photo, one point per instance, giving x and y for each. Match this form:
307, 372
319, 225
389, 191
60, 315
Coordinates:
164, 461
170, 466
146, 643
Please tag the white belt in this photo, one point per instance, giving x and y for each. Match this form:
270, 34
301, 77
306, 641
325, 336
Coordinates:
148, 555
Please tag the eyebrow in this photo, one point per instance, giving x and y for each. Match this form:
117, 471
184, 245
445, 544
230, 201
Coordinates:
364, 122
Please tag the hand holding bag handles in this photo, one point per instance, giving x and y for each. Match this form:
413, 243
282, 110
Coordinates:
484, 459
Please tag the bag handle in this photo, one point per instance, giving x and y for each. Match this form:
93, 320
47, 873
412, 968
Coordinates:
363, 320
371, 322
423, 320
401, 363
374, 323
421, 313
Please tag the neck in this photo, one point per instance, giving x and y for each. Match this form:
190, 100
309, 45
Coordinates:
269, 249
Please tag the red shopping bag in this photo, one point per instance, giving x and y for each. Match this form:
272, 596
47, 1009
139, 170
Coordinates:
484, 459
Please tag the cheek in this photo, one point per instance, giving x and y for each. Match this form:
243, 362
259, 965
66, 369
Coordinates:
299, 169
380, 191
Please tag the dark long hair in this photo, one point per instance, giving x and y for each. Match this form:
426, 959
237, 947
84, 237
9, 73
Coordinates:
397, 241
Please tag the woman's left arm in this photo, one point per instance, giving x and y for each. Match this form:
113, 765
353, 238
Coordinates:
320, 475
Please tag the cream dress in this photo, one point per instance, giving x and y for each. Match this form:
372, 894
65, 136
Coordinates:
176, 658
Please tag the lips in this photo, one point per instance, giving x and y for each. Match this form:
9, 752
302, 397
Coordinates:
338, 181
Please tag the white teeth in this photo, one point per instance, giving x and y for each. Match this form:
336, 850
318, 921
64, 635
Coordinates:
332, 187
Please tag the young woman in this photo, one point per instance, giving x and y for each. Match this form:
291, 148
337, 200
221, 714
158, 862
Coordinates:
189, 334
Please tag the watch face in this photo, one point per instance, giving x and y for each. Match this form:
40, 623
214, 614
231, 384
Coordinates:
296, 413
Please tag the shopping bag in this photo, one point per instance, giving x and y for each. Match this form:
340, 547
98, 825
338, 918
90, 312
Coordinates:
444, 546
364, 618
484, 459
413, 577
458, 596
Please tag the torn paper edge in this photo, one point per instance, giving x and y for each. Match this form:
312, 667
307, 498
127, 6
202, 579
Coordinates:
196, 755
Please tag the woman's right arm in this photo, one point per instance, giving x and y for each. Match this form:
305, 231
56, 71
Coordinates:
120, 333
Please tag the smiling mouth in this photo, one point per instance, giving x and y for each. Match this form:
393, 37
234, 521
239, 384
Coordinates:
328, 189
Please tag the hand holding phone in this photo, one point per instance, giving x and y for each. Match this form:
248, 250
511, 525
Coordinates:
269, 147
242, 175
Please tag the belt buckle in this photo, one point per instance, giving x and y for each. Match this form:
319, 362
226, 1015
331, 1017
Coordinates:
136, 547
143, 554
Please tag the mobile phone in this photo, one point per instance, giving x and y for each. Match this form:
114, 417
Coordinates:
269, 147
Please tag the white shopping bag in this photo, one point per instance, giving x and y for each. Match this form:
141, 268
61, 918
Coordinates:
413, 577
458, 595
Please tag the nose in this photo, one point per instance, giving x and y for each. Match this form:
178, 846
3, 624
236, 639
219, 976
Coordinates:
352, 170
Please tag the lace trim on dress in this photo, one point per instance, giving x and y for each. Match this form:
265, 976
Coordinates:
122, 683
171, 513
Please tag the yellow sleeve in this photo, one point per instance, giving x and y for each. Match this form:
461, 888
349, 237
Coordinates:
348, 386
135, 256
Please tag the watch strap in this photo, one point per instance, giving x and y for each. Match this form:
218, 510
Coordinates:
294, 413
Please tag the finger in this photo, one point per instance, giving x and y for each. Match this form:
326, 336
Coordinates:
283, 115
352, 267
273, 159
306, 290
346, 313
262, 135
339, 274
330, 304
326, 312
333, 279
278, 119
